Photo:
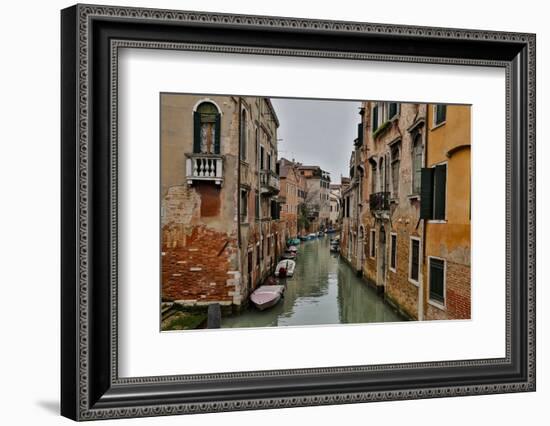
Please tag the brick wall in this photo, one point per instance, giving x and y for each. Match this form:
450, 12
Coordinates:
201, 271
458, 294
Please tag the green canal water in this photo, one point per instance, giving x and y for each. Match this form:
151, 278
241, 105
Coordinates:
323, 290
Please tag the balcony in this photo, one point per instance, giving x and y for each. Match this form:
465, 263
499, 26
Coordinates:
204, 167
269, 182
379, 202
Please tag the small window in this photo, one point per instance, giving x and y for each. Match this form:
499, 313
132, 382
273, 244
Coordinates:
437, 280
417, 164
372, 242
375, 118
440, 114
393, 110
393, 253
395, 163
244, 206
243, 135
414, 260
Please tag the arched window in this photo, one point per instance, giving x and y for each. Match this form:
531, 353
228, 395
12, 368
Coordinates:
207, 129
417, 163
243, 136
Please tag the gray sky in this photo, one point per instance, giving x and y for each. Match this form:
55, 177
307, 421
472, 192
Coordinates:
318, 132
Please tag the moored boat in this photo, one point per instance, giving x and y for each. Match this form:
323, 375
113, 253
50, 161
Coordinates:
285, 268
293, 248
267, 296
289, 255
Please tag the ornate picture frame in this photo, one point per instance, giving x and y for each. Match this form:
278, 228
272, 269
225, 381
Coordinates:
91, 387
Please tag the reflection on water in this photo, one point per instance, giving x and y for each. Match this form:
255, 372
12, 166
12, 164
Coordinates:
323, 290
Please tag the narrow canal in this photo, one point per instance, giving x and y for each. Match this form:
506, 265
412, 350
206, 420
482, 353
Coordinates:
323, 290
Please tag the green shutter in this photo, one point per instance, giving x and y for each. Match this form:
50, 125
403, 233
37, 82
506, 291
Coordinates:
196, 132
426, 193
360, 134
440, 185
217, 135
375, 118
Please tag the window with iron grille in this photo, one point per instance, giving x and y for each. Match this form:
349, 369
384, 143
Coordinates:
437, 280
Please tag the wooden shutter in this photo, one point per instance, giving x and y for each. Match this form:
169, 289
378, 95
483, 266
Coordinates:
196, 132
437, 279
440, 185
217, 134
426, 193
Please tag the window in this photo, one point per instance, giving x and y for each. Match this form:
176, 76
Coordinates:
250, 259
375, 118
437, 280
373, 178
393, 252
395, 162
258, 256
244, 205
414, 260
261, 157
417, 164
434, 193
393, 110
243, 135
206, 129
440, 114
372, 250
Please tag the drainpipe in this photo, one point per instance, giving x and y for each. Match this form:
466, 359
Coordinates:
421, 269
259, 188
239, 238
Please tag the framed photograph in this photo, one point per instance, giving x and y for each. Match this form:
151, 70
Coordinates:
263, 212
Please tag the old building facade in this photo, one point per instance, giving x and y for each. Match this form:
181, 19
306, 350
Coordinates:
317, 200
220, 226
292, 196
446, 211
389, 233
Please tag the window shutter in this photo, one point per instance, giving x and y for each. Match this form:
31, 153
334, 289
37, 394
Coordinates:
360, 134
375, 118
426, 193
217, 134
440, 184
196, 132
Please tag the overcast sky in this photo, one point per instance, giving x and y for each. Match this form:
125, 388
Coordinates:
317, 132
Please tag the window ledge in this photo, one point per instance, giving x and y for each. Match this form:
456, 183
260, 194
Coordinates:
437, 126
415, 283
437, 305
435, 221
413, 196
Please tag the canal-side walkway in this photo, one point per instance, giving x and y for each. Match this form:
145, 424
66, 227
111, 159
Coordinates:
323, 290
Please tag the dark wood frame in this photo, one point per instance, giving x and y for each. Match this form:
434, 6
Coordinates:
90, 387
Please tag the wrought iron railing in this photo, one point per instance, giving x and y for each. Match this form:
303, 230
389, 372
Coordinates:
269, 181
379, 201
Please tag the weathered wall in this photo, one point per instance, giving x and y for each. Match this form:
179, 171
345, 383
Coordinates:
450, 239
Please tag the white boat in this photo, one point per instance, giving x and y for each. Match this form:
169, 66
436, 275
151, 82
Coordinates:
293, 249
286, 264
267, 296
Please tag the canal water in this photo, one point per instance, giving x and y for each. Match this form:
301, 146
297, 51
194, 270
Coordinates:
323, 290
